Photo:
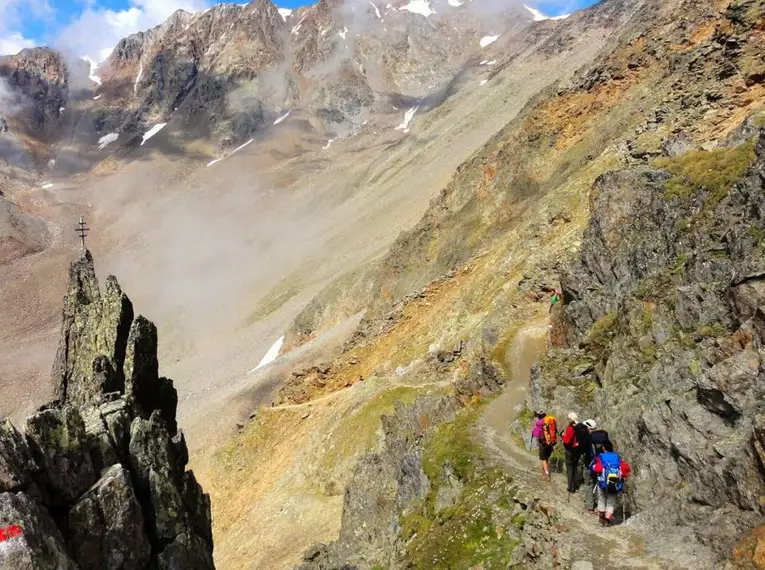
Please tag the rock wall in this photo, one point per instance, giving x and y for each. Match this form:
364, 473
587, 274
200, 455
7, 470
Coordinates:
97, 480
666, 313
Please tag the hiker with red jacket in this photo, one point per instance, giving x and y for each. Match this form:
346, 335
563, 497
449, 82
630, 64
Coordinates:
575, 443
611, 471
545, 433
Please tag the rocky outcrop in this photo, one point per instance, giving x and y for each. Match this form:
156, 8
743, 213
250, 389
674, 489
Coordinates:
665, 313
98, 478
383, 486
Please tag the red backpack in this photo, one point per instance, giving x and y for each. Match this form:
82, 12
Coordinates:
569, 438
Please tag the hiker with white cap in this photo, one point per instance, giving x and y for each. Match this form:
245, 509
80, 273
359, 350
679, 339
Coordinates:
598, 440
574, 450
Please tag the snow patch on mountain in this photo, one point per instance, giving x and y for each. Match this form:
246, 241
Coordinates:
343, 33
408, 116
271, 355
284, 13
284, 116
107, 140
296, 28
488, 40
421, 7
138, 77
456, 3
152, 131
377, 10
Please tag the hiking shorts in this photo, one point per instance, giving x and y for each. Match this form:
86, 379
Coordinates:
545, 451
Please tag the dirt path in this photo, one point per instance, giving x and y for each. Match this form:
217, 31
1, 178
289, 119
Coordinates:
611, 548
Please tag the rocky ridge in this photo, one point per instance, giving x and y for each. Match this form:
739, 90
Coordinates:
97, 479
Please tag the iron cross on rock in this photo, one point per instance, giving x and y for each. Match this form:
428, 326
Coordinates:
82, 230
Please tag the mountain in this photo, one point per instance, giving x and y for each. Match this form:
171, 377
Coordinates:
386, 197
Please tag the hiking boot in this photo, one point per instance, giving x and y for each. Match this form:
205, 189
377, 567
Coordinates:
602, 517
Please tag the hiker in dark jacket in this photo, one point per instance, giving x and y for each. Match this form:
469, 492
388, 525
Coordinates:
573, 448
598, 438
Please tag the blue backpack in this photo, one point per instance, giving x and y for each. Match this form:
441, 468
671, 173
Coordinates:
610, 479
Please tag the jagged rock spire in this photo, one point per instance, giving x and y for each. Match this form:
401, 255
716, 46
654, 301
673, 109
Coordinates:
98, 480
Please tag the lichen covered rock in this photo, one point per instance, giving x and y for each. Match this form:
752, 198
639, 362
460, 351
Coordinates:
100, 476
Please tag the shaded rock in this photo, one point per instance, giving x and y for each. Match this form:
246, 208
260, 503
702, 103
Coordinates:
106, 525
39, 545
198, 505
16, 464
186, 552
58, 440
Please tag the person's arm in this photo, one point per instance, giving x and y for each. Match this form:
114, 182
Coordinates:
626, 469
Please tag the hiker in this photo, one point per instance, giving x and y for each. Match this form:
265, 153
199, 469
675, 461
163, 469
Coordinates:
611, 472
545, 432
572, 442
596, 439
555, 298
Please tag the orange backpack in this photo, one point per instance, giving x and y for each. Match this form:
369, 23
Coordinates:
550, 430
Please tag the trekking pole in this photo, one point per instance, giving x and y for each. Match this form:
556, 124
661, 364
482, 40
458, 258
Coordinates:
624, 504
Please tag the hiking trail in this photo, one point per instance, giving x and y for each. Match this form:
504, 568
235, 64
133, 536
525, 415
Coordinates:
610, 548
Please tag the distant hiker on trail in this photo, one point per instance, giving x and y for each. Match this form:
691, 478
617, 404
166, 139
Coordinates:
611, 472
573, 444
545, 432
555, 298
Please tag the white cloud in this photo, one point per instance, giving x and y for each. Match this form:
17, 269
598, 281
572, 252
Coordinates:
13, 42
12, 14
97, 30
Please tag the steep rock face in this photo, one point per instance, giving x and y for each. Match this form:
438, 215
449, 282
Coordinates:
98, 479
665, 306
41, 77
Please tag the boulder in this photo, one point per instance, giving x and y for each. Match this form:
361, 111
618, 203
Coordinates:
32, 541
16, 463
106, 526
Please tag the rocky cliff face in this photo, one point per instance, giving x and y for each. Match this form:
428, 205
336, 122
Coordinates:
665, 318
97, 479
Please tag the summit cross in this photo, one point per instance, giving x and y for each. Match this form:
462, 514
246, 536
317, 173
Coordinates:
82, 230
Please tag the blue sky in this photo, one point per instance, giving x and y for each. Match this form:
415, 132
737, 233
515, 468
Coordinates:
92, 27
